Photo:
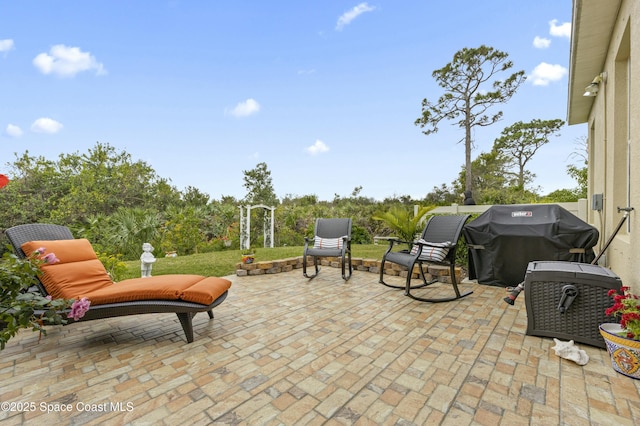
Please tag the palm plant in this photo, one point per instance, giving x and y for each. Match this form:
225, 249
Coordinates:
402, 221
130, 227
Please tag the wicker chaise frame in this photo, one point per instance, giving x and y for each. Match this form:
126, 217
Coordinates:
185, 311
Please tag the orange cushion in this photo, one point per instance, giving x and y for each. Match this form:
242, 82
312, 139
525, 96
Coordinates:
160, 287
80, 274
206, 291
66, 251
190, 288
79, 270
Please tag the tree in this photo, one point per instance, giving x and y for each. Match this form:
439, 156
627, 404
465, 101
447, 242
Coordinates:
581, 173
472, 86
519, 142
102, 181
258, 185
259, 191
35, 190
442, 196
194, 197
489, 178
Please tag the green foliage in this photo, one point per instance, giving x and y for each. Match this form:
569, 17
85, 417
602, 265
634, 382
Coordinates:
131, 205
78, 188
260, 191
101, 181
182, 230
114, 265
519, 142
580, 174
489, 179
22, 309
403, 222
359, 235
129, 228
257, 182
563, 196
443, 196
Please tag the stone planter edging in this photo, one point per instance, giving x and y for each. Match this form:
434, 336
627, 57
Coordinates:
359, 264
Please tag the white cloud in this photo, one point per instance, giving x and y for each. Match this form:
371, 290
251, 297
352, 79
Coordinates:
6, 45
317, 148
46, 125
13, 131
562, 30
544, 73
541, 42
67, 61
245, 109
347, 17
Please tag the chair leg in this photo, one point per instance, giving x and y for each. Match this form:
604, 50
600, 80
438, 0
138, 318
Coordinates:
400, 287
346, 277
454, 282
187, 325
210, 313
425, 283
304, 266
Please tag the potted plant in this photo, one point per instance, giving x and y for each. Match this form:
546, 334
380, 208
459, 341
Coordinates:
623, 337
21, 308
247, 256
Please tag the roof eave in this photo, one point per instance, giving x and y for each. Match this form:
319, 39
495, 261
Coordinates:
592, 27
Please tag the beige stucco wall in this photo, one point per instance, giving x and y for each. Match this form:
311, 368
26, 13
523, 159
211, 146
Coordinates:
609, 172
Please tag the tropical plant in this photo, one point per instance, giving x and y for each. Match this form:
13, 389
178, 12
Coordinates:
402, 221
129, 228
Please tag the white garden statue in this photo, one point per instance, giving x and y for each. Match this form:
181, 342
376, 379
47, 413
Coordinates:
568, 350
146, 260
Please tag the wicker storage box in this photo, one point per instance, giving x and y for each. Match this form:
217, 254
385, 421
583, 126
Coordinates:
567, 300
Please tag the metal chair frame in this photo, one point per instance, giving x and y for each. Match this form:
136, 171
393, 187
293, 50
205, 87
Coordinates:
329, 228
437, 230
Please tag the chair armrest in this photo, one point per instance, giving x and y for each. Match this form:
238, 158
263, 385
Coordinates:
430, 244
396, 241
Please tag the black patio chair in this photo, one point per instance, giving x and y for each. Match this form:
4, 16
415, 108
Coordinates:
332, 238
437, 245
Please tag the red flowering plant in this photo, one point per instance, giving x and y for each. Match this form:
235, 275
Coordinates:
626, 309
21, 308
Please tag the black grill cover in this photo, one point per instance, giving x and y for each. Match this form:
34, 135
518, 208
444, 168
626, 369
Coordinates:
505, 238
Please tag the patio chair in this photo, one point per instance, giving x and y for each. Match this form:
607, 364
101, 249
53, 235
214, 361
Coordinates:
80, 274
332, 238
437, 245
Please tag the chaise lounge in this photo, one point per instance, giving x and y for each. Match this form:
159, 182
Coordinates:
80, 274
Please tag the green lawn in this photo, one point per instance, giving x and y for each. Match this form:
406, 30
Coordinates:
221, 263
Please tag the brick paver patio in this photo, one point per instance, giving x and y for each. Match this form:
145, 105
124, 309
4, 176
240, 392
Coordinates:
285, 350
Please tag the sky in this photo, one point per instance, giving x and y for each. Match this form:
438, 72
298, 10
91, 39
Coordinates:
325, 93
